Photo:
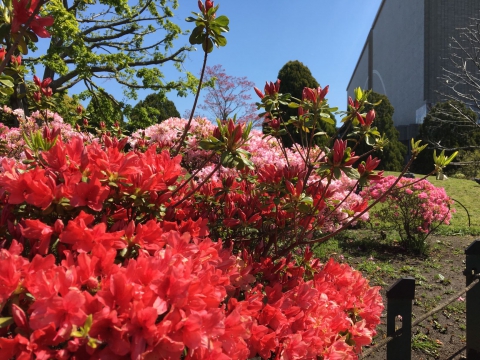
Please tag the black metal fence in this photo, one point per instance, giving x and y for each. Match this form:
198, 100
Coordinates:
399, 303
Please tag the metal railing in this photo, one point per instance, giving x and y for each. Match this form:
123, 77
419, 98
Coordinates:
399, 303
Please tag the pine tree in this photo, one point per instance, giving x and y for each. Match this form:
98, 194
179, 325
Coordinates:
152, 110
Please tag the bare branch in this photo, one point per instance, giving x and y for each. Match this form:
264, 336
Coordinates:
124, 32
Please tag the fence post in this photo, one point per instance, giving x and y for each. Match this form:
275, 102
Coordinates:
399, 302
472, 267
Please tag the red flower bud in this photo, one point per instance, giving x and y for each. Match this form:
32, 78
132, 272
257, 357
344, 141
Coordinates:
272, 88
85, 122
230, 126
360, 118
29, 154
277, 85
46, 133
3, 52
122, 143
323, 93
37, 80
370, 117
47, 92
275, 124
201, 7
19, 317
229, 181
79, 109
107, 141
290, 187
55, 132
102, 125
309, 94
216, 133
130, 229
259, 93
37, 96
208, 5
58, 226
16, 60
46, 82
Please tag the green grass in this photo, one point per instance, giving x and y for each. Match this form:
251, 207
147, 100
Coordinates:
425, 344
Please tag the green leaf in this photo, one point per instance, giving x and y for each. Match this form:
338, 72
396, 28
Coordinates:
5, 322
22, 46
337, 173
220, 40
370, 140
7, 80
197, 36
226, 159
307, 200
328, 120
358, 93
207, 45
209, 145
320, 133
6, 91
222, 21
451, 158
32, 36
293, 105
351, 172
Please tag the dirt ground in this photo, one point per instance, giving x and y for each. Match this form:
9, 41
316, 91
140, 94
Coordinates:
438, 276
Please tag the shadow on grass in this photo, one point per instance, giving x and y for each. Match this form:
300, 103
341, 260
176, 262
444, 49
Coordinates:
383, 245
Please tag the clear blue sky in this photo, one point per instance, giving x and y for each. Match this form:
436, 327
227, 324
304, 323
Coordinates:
327, 36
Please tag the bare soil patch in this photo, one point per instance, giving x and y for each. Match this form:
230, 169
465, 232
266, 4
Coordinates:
439, 275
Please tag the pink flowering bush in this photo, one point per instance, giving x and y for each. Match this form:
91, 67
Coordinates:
12, 139
235, 204
413, 207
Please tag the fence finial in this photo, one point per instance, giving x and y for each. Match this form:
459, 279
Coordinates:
399, 302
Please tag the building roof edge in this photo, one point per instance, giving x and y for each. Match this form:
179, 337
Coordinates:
366, 42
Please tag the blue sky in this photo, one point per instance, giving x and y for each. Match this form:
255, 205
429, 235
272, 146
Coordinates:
327, 36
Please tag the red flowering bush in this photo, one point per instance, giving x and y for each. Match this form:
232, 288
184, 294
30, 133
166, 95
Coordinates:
94, 264
413, 207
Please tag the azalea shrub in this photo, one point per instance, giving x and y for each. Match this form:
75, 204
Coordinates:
263, 203
414, 208
94, 267
187, 240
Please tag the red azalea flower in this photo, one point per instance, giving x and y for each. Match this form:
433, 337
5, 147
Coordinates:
21, 14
